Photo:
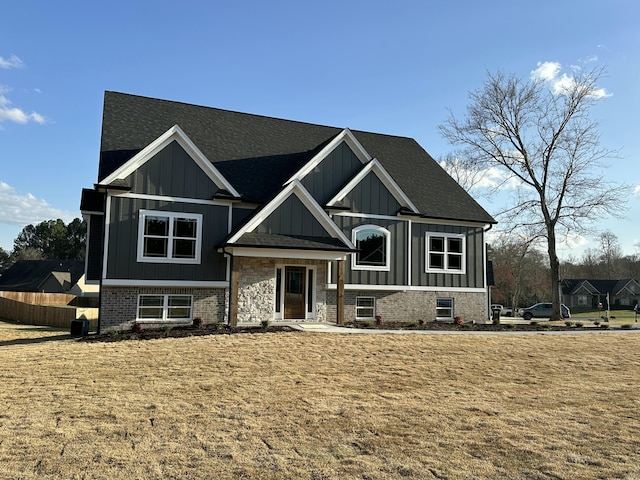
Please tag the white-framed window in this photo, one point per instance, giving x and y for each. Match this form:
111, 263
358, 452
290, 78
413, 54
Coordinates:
374, 245
169, 237
163, 308
582, 300
365, 308
445, 253
444, 309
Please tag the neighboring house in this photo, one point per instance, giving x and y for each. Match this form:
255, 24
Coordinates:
583, 293
239, 218
47, 276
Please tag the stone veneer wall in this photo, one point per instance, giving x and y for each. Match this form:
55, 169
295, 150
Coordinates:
120, 304
411, 306
257, 286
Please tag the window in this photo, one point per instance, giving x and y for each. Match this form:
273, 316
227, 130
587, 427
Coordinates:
445, 253
373, 244
169, 237
165, 307
444, 309
365, 308
582, 300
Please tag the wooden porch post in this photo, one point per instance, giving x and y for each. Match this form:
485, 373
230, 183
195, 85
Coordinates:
340, 294
233, 292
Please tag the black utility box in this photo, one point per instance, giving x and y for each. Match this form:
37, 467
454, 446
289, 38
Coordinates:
79, 327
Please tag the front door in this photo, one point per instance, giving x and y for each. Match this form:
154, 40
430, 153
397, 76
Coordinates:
294, 293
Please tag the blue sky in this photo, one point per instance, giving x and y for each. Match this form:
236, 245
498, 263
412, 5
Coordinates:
381, 66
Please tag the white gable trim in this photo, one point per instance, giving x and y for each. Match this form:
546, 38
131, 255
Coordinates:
174, 133
376, 167
345, 136
294, 188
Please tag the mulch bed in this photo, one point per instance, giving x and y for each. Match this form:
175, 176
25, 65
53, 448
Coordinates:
221, 329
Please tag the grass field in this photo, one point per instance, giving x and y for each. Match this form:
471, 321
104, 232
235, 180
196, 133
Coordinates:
320, 406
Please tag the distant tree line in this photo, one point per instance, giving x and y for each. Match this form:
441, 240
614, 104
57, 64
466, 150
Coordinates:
48, 240
522, 273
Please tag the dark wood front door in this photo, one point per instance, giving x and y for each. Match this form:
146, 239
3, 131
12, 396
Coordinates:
294, 293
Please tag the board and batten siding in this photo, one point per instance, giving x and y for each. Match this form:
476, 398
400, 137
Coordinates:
398, 272
371, 196
292, 217
95, 242
172, 172
123, 242
332, 173
474, 270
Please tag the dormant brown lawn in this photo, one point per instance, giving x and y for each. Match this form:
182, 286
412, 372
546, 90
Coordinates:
321, 406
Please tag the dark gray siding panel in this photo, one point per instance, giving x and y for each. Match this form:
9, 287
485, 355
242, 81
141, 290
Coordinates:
123, 242
332, 173
240, 215
398, 273
292, 218
371, 196
474, 277
172, 172
95, 242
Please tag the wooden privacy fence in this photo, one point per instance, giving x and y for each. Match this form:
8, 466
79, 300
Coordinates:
48, 309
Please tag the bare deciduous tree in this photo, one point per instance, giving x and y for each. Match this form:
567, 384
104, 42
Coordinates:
545, 140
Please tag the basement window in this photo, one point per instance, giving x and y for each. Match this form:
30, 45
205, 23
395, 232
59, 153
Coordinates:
164, 308
365, 308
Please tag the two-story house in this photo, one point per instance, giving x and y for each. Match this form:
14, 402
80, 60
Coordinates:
240, 218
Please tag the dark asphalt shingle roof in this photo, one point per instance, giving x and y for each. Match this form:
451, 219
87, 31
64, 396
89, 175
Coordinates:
27, 275
257, 154
602, 286
272, 240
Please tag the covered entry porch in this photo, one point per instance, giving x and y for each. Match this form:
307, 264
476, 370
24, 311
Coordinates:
284, 288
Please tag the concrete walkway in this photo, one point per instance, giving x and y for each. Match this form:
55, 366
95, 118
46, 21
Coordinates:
329, 328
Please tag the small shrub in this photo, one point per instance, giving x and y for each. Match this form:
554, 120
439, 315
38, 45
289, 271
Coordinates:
265, 324
579, 324
458, 320
136, 328
507, 325
568, 323
420, 322
626, 326
379, 320
596, 323
197, 322
533, 323
604, 326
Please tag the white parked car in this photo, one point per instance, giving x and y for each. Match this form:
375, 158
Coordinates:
504, 311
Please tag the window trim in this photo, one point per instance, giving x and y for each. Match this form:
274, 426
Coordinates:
143, 214
445, 253
165, 308
354, 256
440, 317
358, 307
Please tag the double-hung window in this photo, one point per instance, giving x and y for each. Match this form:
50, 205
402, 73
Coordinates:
165, 307
169, 237
373, 244
445, 253
444, 309
365, 308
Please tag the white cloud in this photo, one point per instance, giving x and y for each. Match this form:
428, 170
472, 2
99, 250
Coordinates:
15, 114
549, 72
12, 62
636, 191
22, 209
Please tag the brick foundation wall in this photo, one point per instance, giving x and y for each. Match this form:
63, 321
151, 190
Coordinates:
119, 304
410, 306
